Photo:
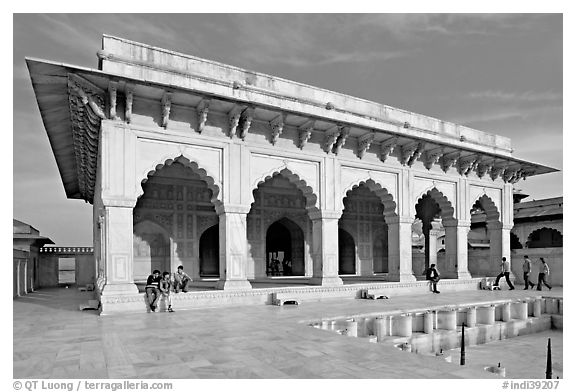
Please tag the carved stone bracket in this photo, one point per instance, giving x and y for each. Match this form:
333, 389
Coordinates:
431, 157
129, 92
511, 175
166, 105
465, 165
344, 133
277, 125
330, 137
496, 172
419, 149
304, 133
364, 143
448, 160
234, 119
112, 93
387, 147
87, 104
482, 168
202, 109
406, 152
246, 120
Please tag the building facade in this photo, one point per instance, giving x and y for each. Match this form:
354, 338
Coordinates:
243, 177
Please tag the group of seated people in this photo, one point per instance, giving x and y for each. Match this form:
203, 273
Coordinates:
159, 286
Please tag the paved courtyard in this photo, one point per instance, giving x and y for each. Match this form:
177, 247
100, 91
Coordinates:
53, 339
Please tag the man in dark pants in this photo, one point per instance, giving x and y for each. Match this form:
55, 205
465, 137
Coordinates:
153, 289
505, 272
527, 268
544, 272
433, 276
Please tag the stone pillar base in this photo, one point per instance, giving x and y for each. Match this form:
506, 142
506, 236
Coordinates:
396, 277
233, 285
327, 281
114, 289
464, 275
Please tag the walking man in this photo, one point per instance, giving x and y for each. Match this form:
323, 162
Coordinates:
544, 272
527, 268
505, 272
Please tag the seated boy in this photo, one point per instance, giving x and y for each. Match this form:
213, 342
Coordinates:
181, 280
165, 286
153, 290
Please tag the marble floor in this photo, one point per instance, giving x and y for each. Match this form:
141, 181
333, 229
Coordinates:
53, 339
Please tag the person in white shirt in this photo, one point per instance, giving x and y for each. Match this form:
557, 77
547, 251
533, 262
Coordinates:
505, 272
544, 272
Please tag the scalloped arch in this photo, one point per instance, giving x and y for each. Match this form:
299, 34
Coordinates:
382, 193
307, 191
446, 208
204, 176
489, 207
540, 229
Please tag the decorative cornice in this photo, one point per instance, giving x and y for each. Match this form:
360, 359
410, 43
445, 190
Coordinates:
202, 109
304, 132
364, 143
344, 133
482, 168
166, 105
246, 120
330, 137
387, 147
276, 126
87, 104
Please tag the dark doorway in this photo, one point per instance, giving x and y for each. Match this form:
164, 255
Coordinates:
278, 248
209, 252
346, 253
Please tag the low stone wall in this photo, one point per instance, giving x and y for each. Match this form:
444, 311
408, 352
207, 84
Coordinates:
200, 299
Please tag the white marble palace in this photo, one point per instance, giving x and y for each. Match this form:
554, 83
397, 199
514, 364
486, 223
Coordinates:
245, 178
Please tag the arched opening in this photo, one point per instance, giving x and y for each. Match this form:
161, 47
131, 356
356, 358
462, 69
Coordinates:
515, 242
346, 253
365, 230
209, 252
177, 204
284, 249
151, 249
485, 226
279, 230
545, 238
424, 250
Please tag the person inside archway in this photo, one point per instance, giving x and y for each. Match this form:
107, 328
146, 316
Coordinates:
433, 276
504, 272
181, 280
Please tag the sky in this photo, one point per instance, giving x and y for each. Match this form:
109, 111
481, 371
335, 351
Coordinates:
498, 73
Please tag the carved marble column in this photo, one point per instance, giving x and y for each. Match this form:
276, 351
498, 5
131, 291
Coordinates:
400, 249
456, 240
119, 249
434, 233
233, 248
325, 248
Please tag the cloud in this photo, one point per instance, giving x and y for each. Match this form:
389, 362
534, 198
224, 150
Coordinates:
503, 114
